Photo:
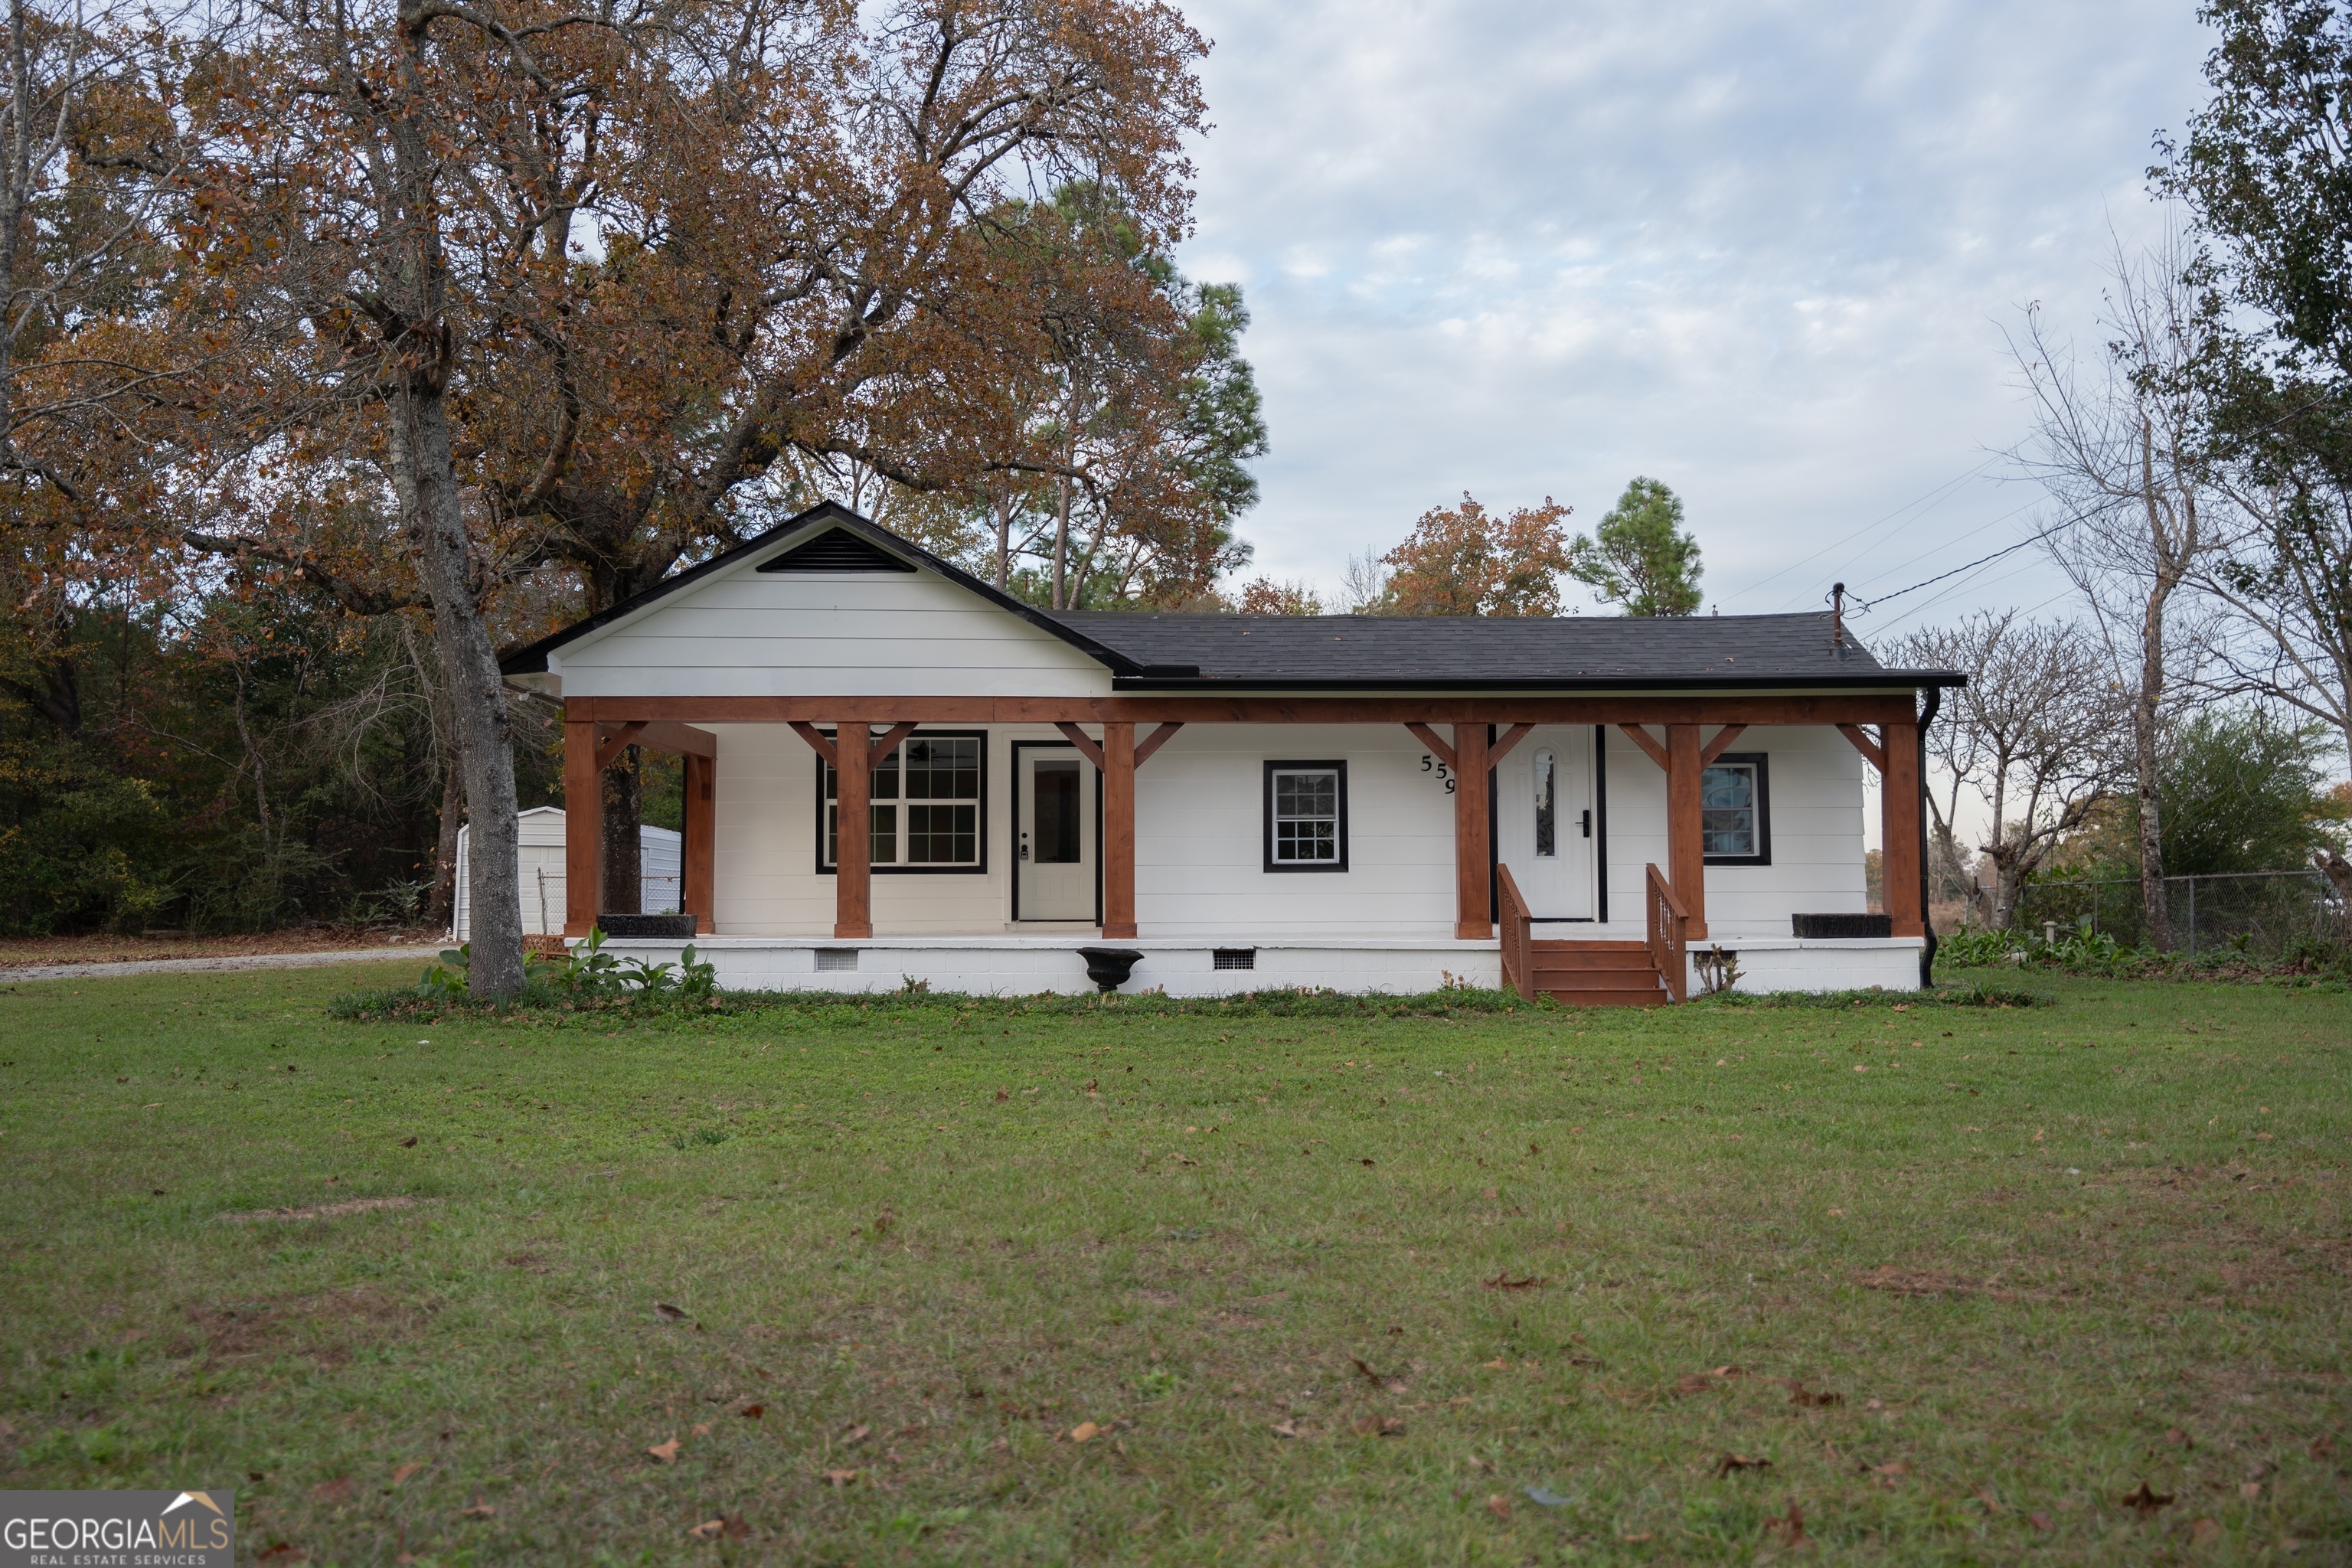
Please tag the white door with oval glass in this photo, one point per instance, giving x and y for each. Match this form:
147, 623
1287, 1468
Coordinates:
1053, 833
1544, 827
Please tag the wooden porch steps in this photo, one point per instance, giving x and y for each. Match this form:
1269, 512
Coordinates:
1597, 974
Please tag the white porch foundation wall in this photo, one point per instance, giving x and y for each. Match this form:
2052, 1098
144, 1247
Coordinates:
1025, 966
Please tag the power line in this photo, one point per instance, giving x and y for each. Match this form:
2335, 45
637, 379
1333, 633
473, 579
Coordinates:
1934, 494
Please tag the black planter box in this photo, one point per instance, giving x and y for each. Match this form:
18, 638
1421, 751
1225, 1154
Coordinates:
672, 928
1822, 927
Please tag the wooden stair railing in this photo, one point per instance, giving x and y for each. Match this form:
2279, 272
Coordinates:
1518, 933
1669, 925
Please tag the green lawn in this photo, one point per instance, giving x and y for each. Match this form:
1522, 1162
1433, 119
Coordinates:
1325, 1290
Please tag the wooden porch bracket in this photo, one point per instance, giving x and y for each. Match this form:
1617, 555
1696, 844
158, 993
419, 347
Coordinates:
1870, 748
1438, 749
609, 747
1089, 747
1721, 744
1509, 738
1153, 742
887, 744
817, 742
1640, 736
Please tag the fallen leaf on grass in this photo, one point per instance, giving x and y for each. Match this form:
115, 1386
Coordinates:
665, 1453
856, 1436
752, 1412
1789, 1526
1285, 1428
2201, 1532
337, 1491
400, 1476
669, 1314
839, 1478
1374, 1378
2250, 1490
1084, 1432
480, 1509
1504, 1282
1370, 1426
2039, 1520
2321, 1447
1823, 1400
1984, 1496
2145, 1501
1498, 1505
729, 1525
408, 1142
1637, 1540
2179, 1439
1730, 1462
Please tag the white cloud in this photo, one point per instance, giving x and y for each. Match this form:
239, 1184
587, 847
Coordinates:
1762, 252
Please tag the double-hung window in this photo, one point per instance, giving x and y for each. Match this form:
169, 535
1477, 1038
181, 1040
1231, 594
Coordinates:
1734, 808
927, 807
1306, 817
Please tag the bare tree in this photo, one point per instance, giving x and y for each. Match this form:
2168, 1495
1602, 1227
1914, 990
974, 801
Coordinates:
2032, 734
2121, 446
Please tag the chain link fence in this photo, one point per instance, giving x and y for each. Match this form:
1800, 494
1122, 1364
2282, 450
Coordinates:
2266, 914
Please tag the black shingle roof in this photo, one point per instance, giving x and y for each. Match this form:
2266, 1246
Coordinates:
1192, 651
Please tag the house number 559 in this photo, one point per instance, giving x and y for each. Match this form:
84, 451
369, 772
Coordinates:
1430, 764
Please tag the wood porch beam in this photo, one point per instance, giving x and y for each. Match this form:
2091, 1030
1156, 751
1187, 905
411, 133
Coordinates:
1438, 749
1851, 707
1512, 737
698, 874
1650, 748
609, 747
1685, 827
1474, 859
584, 826
1721, 744
1119, 832
1153, 742
1870, 748
1900, 830
1089, 747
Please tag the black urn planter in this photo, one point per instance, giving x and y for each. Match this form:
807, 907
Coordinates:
671, 927
1109, 967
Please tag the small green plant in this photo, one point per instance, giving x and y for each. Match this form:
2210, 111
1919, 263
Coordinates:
700, 1138
444, 981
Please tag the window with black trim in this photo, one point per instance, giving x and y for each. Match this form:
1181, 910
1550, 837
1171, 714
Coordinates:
1306, 817
929, 803
1735, 808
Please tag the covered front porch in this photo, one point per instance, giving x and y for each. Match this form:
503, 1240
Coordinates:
1445, 882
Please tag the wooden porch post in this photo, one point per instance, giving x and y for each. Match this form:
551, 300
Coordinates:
584, 826
1686, 843
1119, 832
1899, 825
1474, 867
698, 876
853, 881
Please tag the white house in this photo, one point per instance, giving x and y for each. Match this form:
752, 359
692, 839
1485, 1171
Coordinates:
539, 869
1574, 805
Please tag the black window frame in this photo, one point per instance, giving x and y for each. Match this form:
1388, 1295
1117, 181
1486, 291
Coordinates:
978, 870
1761, 762
1273, 767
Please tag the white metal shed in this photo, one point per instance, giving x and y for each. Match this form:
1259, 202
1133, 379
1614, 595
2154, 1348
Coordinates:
539, 868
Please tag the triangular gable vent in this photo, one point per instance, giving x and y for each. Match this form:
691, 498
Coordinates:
835, 549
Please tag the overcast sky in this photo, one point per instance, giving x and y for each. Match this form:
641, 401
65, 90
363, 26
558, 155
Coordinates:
1763, 251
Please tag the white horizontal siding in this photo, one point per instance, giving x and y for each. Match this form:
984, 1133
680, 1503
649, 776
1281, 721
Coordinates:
1816, 803
744, 634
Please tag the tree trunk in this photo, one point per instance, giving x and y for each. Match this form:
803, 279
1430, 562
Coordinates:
425, 476
444, 909
2008, 885
2155, 909
1062, 544
1004, 541
2339, 871
624, 811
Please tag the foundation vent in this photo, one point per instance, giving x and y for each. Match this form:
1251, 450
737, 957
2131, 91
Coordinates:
1232, 958
836, 960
